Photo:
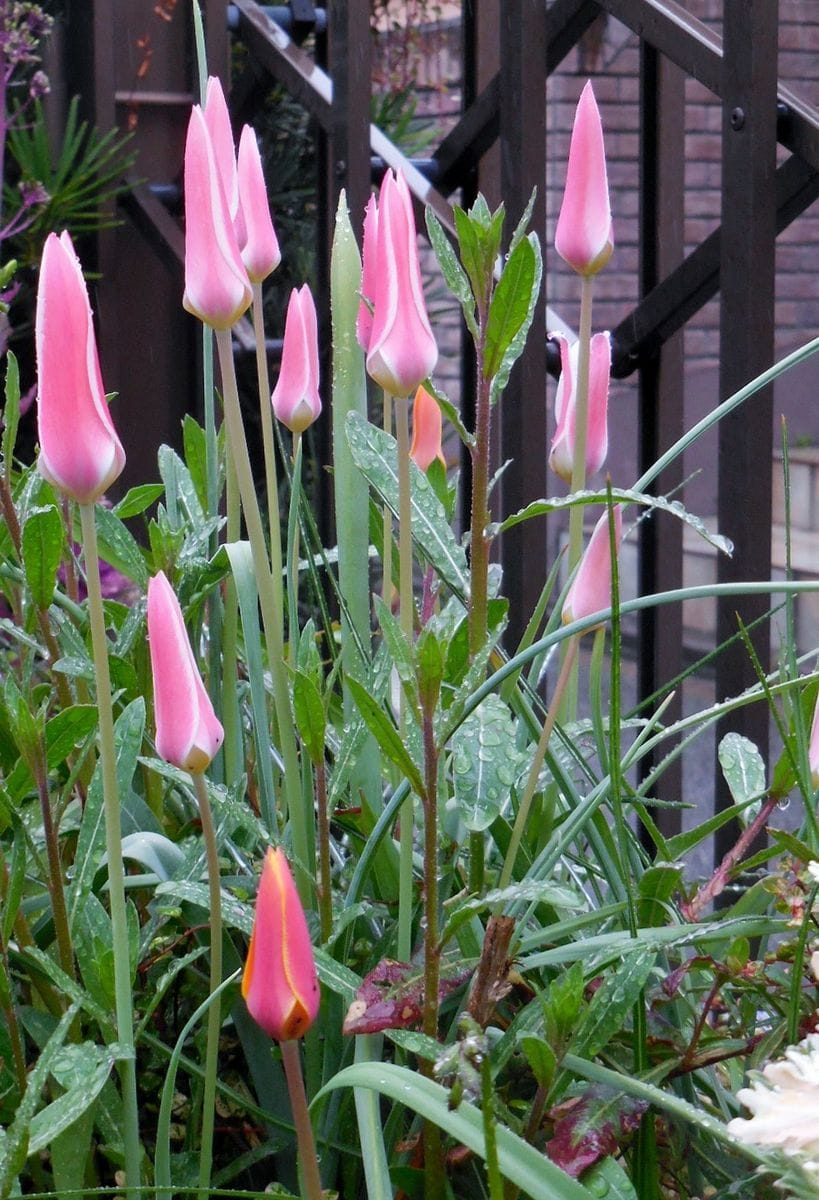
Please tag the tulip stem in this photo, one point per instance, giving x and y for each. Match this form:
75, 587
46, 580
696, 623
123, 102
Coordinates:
270, 600
113, 845
233, 749
293, 550
215, 1009
581, 420
386, 557
479, 544
308, 1160
434, 1175
407, 818
566, 671
325, 871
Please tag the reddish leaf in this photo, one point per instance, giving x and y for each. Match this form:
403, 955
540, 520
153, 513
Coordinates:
592, 1127
392, 997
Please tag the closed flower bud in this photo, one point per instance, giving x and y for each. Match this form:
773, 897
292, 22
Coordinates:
80, 453
279, 982
260, 252
217, 119
296, 401
364, 321
427, 429
584, 237
590, 590
561, 457
402, 350
188, 733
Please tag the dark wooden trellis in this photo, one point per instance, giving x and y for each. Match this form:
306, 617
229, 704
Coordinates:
509, 47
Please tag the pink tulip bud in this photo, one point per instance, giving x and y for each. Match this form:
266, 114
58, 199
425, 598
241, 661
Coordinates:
296, 400
364, 321
188, 733
279, 982
813, 749
590, 591
561, 456
402, 350
217, 289
217, 119
260, 252
427, 430
584, 237
80, 453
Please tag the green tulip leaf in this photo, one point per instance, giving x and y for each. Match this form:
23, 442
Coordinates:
43, 544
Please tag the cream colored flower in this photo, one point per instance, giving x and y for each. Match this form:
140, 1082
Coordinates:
784, 1102
813, 871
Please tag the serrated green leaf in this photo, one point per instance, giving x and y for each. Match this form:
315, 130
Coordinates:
510, 305
375, 455
515, 347
385, 733
308, 709
452, 271
43, 541
484, 763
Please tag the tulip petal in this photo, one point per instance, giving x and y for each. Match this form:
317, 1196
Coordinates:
364, 320
279, 983
590, 591
217, 289
217, 119
561, 456
80, 452
260, 252
296, 401
402, 350
584, 237
427, 429
188, 733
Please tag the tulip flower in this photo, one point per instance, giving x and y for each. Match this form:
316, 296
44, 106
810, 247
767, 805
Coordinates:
217, 289
279, 982
427, 427
80, 453
590, 591
561, 456
217, 119
188, 733
813, 749
584, 237
402, 350
364, 321
296, 400
260, 249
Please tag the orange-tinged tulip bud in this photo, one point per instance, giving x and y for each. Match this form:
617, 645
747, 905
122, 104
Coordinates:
279, 984
188, 732
590, 591
584, 237
296, 401
402, 350
80, 453
427, 430
217, 289
260, 251
561, 457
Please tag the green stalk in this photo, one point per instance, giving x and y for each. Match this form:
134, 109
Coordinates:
479, 544
308, 1160
268, 442
434, 1173
270, 600
407, 818
113, 845
493, 1173
55, 871
293, 551
325, 875
233, 749
215, 1009
537, 762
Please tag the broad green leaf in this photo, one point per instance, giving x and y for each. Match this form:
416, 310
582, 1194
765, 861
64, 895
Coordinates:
515, 347
541, 1058
612, 1003
400, 653
43, 543
235, 913
93, 941
485, 763
743, 768
63, 733
374, 453
153, 851
385, 733
430, 658
194, 446
452, 271
562, 1006
82, 1070
608, 1178
540, 508
657, 885
119, 548
510, 305
520, 1163
308, 708
137, 499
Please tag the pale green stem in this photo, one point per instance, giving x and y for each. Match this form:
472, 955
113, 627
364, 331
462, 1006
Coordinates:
386, 582
406, 618
215, 1010
537, 763
325, 872
493, 1173
308, 1160
233, 749
293, 551
113, 846
270, 601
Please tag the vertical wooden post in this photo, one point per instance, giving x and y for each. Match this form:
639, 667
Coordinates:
661, 384
750, 31
523, 408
